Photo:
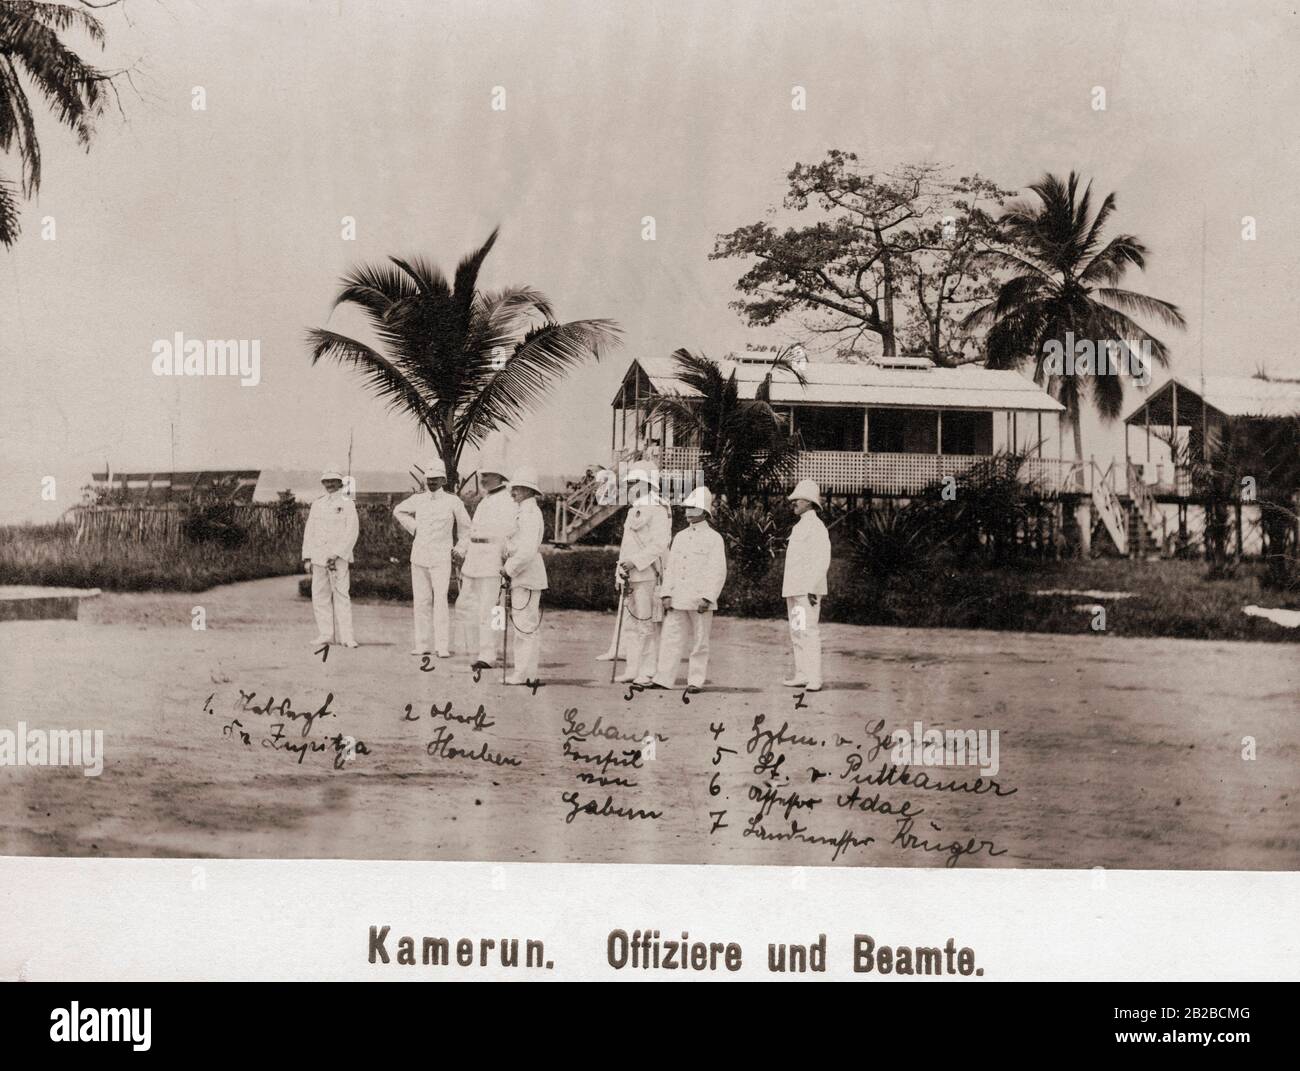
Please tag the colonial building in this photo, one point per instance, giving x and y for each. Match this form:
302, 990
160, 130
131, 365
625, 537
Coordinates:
884, 427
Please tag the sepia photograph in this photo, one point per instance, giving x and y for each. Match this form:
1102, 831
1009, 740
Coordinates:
786, 435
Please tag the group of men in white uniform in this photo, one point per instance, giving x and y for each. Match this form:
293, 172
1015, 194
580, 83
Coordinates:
668, 586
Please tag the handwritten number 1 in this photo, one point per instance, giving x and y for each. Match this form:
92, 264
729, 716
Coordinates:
324, 651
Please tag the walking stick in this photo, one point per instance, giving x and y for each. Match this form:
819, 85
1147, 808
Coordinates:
618, 632
505, 632
334, 613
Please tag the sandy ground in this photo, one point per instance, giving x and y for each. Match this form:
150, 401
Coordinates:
1113, 753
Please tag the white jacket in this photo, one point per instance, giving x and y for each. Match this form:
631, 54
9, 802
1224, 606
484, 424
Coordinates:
697, 567
331, 530
647, 533
524, 548
430, 516
807, 557
484, 546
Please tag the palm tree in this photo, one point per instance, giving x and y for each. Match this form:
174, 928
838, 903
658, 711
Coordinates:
1067, 280
462, 362
29, 42
743, 439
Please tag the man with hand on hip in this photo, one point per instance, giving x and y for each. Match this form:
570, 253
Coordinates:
484, 552
434, 517
807, 559
697, 569
327, 542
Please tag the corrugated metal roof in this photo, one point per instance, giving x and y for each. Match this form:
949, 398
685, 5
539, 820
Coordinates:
838, 383
1230, 395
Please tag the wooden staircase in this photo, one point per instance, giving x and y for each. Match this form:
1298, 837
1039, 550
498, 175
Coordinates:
1147, 523
583, 509
1109, 509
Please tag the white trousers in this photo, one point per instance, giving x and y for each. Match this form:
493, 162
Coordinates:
805, 637
330, 602
526, 617
679, 627
639, 630
479, 595
429, 585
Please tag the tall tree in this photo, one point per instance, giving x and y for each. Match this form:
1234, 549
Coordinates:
744, 441
1066, 280
462, 362
891, 258
31, 45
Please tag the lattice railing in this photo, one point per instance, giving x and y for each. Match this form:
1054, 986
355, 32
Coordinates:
851, 471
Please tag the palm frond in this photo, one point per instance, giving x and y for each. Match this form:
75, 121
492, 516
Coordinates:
385, 379
427, 277
1143, 305
544, 355
9, 227
375, 288
59, 17
17, 127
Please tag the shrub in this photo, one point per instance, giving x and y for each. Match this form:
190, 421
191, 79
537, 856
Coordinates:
213, 522
753, 536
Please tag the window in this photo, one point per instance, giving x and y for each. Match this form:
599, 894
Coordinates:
967, 433
903, 431
829, 427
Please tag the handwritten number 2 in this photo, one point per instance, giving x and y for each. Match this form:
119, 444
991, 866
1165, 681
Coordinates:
427, 667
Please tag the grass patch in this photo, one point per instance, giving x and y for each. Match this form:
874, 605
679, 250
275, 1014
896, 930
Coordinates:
1171, 598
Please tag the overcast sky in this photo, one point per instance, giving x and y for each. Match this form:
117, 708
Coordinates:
225, 223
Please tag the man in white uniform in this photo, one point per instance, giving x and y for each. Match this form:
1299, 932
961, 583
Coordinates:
483, 550
527, 575
327, 543
430, 517
807, 558
647, 533
697, 569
